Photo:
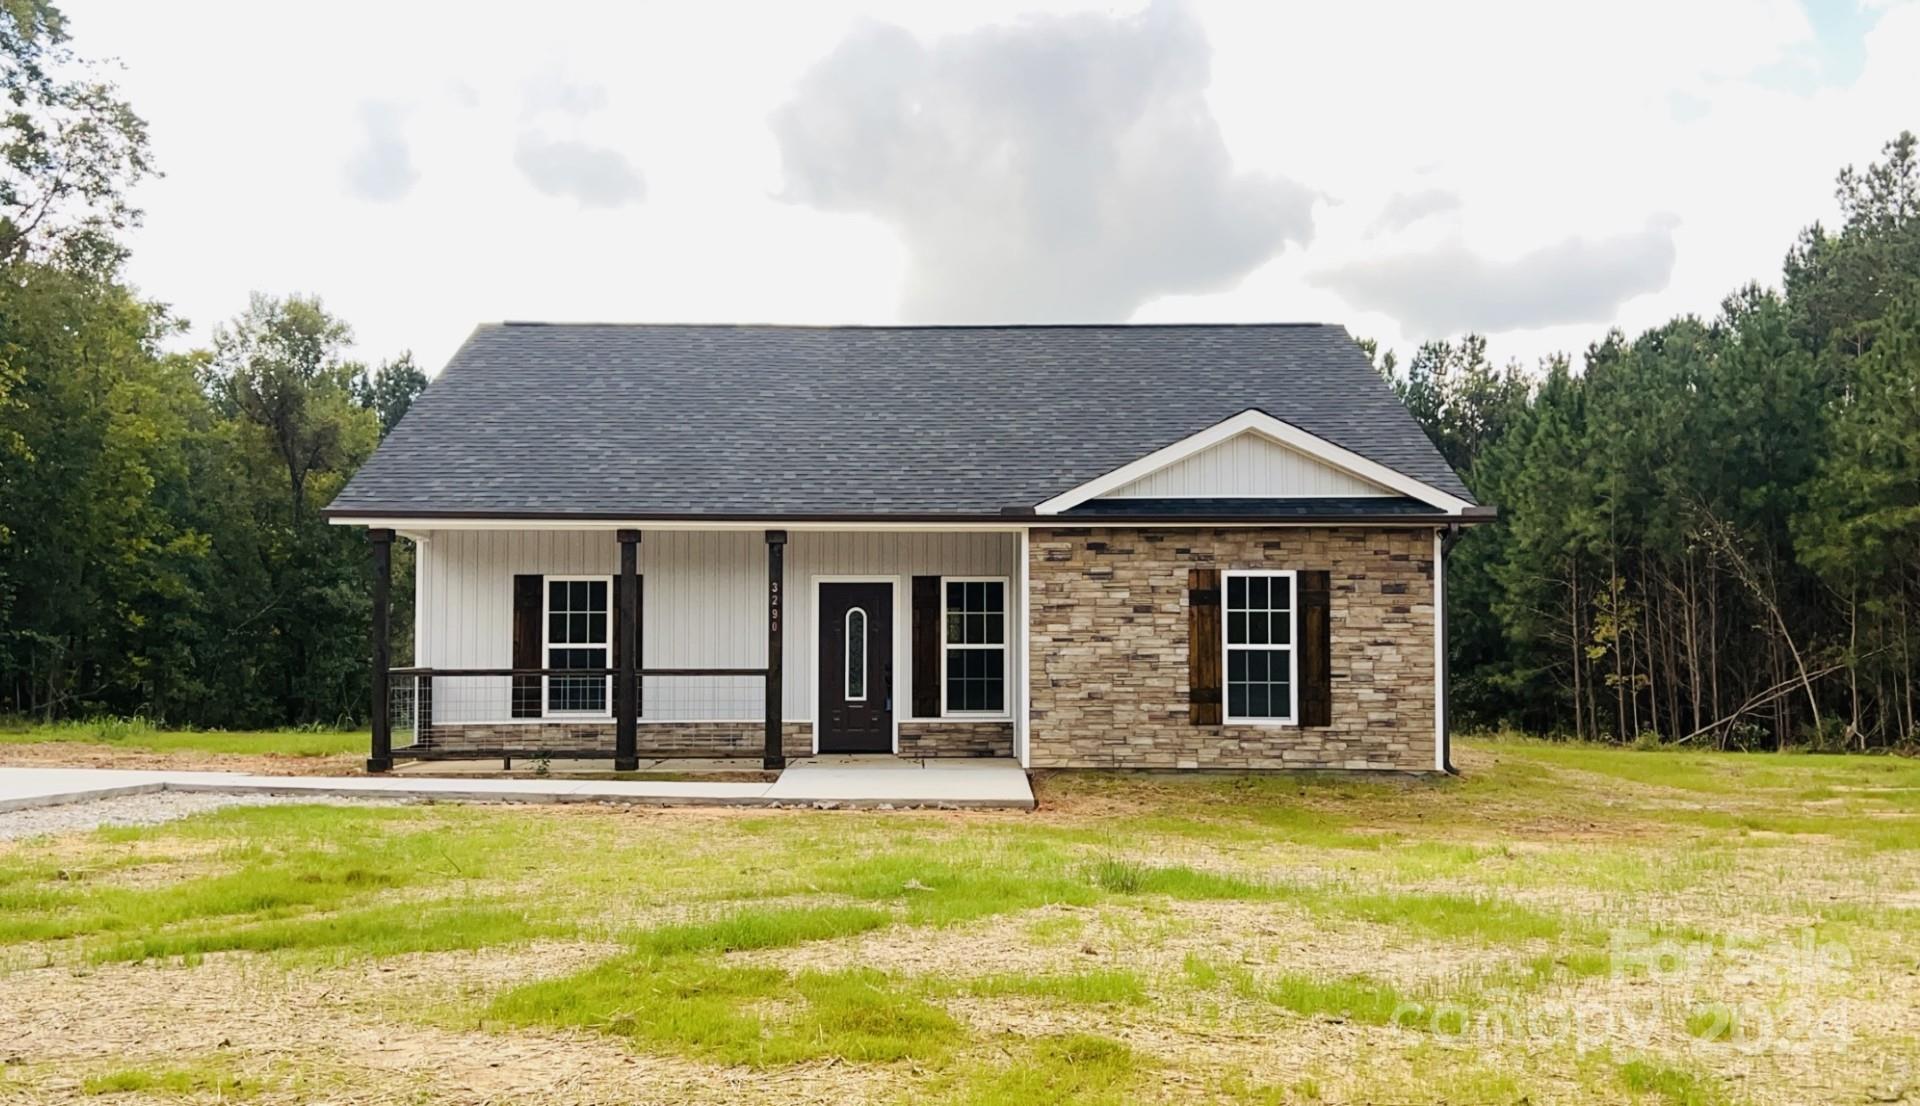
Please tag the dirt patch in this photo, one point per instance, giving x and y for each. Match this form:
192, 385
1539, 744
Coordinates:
74, 754
1265, 938
346, 1027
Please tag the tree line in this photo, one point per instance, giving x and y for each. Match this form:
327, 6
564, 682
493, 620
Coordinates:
1711, 531
161, 552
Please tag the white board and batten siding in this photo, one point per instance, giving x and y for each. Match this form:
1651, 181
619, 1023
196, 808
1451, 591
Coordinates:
1247, 465
705, 607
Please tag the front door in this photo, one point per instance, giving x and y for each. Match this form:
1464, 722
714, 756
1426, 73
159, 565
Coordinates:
856, 668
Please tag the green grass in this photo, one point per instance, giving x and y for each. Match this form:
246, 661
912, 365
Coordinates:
1805, 777
1005, 958
1075, 1070
1355, 998
1092, 988
1486, 918
37, 911
207, 1079
1667, 1084
762, 929
1713, 1022
933, 887
141, 735
374, 931
735, 1015
1132, 877
285, 879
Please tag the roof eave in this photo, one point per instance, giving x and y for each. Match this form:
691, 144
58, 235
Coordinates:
1008, 520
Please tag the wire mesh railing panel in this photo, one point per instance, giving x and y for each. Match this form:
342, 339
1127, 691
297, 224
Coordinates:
441, 709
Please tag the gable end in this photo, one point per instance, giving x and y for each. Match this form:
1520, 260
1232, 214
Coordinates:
1248, 466
1312, 459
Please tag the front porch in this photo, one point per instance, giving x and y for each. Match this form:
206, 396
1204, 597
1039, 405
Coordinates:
600, 644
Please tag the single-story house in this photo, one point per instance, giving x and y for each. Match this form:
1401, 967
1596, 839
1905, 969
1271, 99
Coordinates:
1212, 547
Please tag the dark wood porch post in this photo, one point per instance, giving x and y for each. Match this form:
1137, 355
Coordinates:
625, 702
775, 755
381, 757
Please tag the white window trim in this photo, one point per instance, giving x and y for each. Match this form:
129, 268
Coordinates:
1292, 647
1005, 713
547, 646
846, 663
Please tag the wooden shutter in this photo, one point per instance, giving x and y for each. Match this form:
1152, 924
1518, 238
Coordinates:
613, 622
926, 646
528, 608
1316, 649
1203, 646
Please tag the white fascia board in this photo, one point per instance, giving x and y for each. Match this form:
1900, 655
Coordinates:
1257, 422
416, 522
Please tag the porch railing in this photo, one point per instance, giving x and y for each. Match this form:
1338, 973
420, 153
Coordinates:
485, 713
420, 686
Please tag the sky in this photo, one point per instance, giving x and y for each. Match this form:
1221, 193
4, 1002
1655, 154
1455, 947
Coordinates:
1537, 172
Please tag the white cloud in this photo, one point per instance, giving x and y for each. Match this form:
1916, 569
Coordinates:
1061, 168
381, 168
1407, 208
593, 175
1450, 289
554, 91
1550, 123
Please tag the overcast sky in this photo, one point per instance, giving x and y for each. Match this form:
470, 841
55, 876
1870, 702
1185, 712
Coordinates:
1536, 171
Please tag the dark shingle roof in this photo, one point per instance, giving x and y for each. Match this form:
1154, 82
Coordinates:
638, 421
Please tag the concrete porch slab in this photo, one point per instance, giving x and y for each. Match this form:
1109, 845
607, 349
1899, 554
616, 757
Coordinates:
897, 781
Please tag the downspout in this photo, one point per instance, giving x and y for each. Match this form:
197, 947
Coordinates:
1446, 544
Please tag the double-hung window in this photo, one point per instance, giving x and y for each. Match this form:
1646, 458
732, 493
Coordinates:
1259, 625
975, 651
577, 637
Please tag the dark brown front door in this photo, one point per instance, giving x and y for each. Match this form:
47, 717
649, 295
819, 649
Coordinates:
856, 668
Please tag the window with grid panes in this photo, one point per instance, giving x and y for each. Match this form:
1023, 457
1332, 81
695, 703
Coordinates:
1259, 627
577, 637
976, 646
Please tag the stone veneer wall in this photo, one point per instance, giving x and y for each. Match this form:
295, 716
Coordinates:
956, 739
1109, 648
718, 739
660, 739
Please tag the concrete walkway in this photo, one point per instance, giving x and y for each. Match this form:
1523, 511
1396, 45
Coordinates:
845, 782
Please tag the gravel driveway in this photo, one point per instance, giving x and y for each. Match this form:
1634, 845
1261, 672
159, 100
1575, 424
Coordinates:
142, 810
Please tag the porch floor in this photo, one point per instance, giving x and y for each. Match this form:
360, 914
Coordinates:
839, 781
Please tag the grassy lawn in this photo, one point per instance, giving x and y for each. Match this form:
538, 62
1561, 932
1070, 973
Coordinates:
1560, 925
141, 736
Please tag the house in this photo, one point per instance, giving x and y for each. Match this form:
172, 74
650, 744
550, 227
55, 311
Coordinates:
1214, 547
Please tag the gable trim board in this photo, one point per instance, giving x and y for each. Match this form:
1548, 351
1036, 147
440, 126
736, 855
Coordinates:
1253, 421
